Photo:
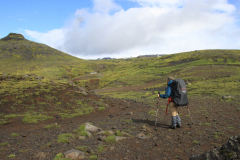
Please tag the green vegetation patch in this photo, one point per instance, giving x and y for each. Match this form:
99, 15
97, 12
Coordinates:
4, 144
93, 157
110, 139
119, 133
152, 112
14, 134
101, 108
34, 117
64, 137
60, 156
55, 125
80, 131
10, 116
11, 156
82, 148
100, 149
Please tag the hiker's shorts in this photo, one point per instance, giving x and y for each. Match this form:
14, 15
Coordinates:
173, 108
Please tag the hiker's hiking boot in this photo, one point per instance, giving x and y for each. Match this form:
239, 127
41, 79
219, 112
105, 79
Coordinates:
178, 125
172, 127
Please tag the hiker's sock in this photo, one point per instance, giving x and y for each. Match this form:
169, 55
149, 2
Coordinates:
174, 121
178, 120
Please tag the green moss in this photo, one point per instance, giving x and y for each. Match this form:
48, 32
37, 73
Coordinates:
11, 156
52, 126
34, 117
81, 131
60, 156
10, 116
64, 137
110, 139
100, 149
4, 144
119, 133
93, 157
101, 108
14, 134
82, 148
152, 112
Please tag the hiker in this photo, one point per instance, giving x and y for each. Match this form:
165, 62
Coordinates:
176, 121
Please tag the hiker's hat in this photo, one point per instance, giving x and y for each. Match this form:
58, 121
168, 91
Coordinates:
170, 78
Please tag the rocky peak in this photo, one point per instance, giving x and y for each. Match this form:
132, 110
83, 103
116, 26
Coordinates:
13, 36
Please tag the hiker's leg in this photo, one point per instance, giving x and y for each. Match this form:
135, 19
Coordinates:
178, 120
174, 113
173, 108
177, 116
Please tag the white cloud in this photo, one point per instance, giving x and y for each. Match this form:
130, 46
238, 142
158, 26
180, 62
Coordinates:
158, 27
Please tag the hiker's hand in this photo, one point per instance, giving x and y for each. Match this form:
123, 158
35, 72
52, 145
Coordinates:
158, 95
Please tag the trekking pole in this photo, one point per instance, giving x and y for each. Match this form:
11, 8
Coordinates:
190, 114
156, 114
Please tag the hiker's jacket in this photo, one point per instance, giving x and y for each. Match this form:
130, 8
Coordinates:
168, 91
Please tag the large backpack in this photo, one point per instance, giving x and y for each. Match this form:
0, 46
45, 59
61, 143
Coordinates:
179, 90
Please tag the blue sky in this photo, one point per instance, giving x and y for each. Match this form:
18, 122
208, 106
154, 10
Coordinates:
92, 29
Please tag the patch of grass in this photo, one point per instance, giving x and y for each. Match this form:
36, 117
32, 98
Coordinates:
81, 131
52, 126
152, 112
10, 116
60, 156
82, 148
119, 133
101, 108
33, 117
4, 144
3, 121
100, 149
64, 137
238, 109
230, 127
206, 124
93, 157
14, 134
110, 139
195, 142
106, 133
11, 156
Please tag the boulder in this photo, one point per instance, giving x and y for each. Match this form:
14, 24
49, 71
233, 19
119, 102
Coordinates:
89, 134
91, 128
74, 154
229, 150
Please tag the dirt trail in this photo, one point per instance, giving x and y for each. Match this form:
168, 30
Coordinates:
214, 122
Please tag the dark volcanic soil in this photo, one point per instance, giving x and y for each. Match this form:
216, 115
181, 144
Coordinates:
214, 122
